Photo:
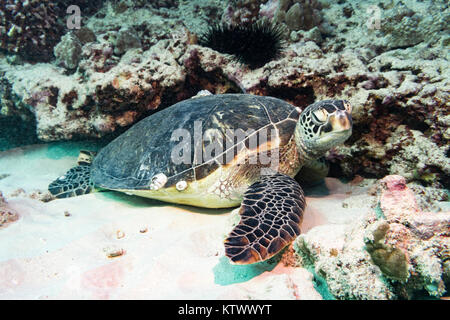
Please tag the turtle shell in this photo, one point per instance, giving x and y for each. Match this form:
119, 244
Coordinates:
146, 150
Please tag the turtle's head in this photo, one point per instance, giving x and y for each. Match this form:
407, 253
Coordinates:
322, 126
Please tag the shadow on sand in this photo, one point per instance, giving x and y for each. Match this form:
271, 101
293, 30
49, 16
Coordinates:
226, 273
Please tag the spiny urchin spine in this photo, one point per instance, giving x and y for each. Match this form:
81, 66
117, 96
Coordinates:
253, 44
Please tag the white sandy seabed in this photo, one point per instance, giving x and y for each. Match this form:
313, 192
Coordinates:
62, 249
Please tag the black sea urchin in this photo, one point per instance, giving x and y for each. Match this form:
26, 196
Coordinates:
252, 44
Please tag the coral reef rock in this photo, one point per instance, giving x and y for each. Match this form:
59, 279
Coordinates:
68, 51
395, 251
299, 14
294, 14
85, 35
7, 215
118, 93
242, 11
126, 39
32, 28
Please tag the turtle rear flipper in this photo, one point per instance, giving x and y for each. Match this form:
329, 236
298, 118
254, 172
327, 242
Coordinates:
271, 213
75, 182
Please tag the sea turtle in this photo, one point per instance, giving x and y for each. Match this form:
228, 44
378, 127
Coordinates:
222, 151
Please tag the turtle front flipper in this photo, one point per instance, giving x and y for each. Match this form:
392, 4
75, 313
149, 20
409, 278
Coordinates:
271, 214
76, 181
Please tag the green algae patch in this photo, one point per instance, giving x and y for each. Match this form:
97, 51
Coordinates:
379, 213
320, 284
391, 260
226, 273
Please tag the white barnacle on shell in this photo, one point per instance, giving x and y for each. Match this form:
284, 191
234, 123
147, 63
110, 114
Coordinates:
158, 181
202, 93
181, 185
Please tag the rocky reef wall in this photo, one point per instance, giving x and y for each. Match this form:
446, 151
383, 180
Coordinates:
131, 58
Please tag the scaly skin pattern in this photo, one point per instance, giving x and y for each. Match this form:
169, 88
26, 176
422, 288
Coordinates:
271, 214
239, 176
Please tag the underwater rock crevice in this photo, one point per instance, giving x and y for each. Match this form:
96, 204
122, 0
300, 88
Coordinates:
298, 96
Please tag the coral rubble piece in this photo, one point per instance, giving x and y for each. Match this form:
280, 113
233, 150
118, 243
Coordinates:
7, 215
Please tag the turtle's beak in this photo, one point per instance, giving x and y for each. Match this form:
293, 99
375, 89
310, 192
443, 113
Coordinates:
341, 121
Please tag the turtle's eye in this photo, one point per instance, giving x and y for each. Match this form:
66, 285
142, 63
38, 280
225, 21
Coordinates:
321, 115
348, 106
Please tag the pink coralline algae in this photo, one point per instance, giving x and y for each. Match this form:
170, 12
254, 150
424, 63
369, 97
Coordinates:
396, 198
